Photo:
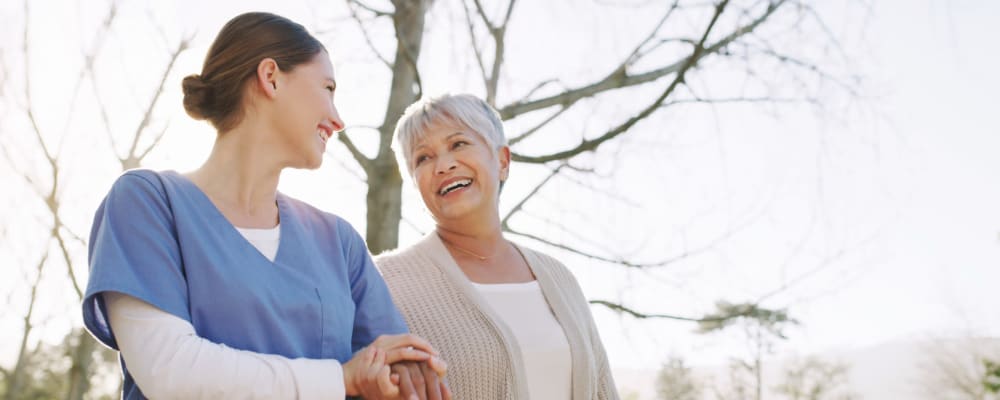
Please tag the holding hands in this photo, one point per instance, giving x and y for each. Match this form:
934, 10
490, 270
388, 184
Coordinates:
397, 367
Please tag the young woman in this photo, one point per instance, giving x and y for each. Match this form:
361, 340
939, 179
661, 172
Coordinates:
211, 283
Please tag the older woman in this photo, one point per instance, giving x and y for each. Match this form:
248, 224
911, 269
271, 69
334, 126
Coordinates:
511, 322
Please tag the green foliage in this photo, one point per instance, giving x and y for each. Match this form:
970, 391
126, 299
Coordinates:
47, 371
675, 381
991, 380
728, 313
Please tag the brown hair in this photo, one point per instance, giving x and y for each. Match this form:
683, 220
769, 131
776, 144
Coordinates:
217, 94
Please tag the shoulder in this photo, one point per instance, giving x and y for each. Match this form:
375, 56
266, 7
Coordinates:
135, 190
397, 258
138, 180
322, 221
404, 263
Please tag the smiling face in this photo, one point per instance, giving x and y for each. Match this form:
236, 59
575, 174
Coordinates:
305, 117
457, 172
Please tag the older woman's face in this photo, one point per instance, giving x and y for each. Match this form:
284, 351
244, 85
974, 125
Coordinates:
457, 171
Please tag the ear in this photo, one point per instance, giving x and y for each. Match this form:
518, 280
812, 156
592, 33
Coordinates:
504, 155
267, 77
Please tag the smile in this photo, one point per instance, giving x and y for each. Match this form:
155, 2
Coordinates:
454, 185
324, 133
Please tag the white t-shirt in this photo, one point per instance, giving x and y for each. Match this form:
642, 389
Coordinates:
544, 348
265, 240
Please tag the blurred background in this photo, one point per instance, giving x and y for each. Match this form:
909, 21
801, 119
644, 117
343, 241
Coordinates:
763, 199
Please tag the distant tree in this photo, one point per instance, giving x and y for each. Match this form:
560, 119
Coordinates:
961, 369
991, 380
814, 379
763, 329
676, 382
48, 368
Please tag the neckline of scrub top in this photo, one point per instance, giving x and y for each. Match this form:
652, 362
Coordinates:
232, 229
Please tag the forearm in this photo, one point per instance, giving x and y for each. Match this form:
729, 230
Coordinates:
168, 359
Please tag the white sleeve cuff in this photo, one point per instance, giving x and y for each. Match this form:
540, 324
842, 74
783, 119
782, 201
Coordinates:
318, 379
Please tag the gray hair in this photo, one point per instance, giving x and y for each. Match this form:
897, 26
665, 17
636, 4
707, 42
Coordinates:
463, 109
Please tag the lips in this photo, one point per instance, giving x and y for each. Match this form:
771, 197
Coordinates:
325, 132
453, 184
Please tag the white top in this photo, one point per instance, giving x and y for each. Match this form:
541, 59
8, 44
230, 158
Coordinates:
544, 348
169, 360
265, 240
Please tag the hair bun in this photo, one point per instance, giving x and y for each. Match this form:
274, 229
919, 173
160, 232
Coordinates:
197, 97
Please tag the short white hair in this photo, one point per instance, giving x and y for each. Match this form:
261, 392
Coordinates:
464, 110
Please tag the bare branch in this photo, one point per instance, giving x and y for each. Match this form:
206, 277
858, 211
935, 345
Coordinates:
365, 162
131, 156
620, 261
66, 257
520, 204
156, 141
589, 145
498, 32
364, 33
723, 100
14, 378
534, 129
636, 55
538, 87
88, 66
475, 48
734, 312
626, 310
373, 10
620, 78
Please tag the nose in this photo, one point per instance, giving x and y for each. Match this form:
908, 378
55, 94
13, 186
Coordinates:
444, 164
335, 121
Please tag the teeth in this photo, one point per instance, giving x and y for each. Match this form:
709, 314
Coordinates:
322, 135
455, 185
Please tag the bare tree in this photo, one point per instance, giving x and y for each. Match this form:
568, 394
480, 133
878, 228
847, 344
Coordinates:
50, 191
664, 67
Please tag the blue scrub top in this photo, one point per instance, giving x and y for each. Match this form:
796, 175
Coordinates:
157, 237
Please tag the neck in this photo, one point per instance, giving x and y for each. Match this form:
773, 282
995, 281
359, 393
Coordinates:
481, 236
241, 173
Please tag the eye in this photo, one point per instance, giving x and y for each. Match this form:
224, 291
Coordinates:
420, 159
330, 89
459, 143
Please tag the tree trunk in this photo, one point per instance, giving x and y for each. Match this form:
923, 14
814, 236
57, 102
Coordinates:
79, 372
384, 182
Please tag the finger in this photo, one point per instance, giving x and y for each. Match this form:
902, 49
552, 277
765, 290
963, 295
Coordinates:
431, 381
406, 354
445, 390
438, 365
405, 383
387, 342
394, 378
419, 383
385, 384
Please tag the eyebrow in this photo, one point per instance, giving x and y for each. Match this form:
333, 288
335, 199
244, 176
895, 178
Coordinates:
422, 145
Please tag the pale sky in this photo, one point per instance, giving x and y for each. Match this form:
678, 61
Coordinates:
883, 216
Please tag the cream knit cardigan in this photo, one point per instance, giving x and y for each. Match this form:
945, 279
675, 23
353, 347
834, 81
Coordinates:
484, 360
